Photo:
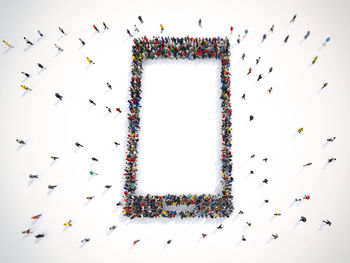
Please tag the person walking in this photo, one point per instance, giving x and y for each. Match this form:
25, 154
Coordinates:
85, 240
307, 35
136, 29
326, 41
39, 236
109, 109
331, 139
249, 71
307, 164
94, 159
51, 187
314, 60
128, 31
82, 41
33, 176
277, 214
136, 241
169, 241
54, 158
61, 30
25, 87
259, 77
161, 28
324, 85
329, 223
249, 224
231, 30
243, 56
20, 141
116, 143
40, 34
118, 110
25, 74
243, 238
69, 223
93, 173
307, 197
28, 231
8, 44
36, 217
105, 26
140, 18
220, 226
40, 66
275, 236
293, 19
204, 235
59, 48
58, 96
108, 186
92, 102
90, 197
270, 90
263, 38
331, 160
89, 60
27, 41
265, 160
300, 130
265, 181
272, 28
251, 117
96, 29
78, 144
243, 97
303, 219
258, 60
286, 39
112, 228
109, 85
270, 70
200, 22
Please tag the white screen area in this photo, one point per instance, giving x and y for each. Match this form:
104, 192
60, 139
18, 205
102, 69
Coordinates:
179, 147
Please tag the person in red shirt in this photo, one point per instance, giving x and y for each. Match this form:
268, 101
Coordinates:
231, 29
118, 110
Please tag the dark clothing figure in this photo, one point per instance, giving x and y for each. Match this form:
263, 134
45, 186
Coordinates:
92, 102
94, 159
39, 236
20, 141
54, 158
105, 26
330, 139
293, 19
32, 176
109, 109
116, 143
200, 23
85, 240
109, 85
265, 181
243, 56
58, 96
327, 222
258, 60
82, 41
27, 41
112, 227
259, 77
25, 74
40, 66
40, 34
307, 35
52, 187
251, 117
286, 39
303, 219
108, 186
140, 18
243, 238
128, 31
95, 27
331, 160
275, 236
249, 71
78, 144
243, 96
169, 241
220, 226
62, 31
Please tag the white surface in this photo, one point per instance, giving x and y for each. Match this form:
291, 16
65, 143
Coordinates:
179, 148
52, 128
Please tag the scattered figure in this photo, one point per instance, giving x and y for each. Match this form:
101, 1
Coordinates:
270, 90
82, 41
28, 231
307, 197
326, 41
94, 159
249, 71
243, 97
231, 30
62, 31
105, 26
78, 144
266, 201
112, 227
239, 39
108, 186
118, 110
8, 44
51, 187
161, 28
265, 181
109, 109
37, 216
136, 241
251, 117
27, 41
59, 48
169, 241
128, 31
275, 236
265, 160
204, 235
277, 214
57, 95
39, 236
259, 77
89, 60
324, 85
118, 204
109, 85
93, 173
272, 28
249, 224
40, 34
252, 156
96, 29
90, 197
307, 35
327, 222
92, 102
20, 141
136, 29
25, 74
240, 212
331, 160
293, 19
54, 158
303, 219
220, 226
69, 223
263, 38
243, 56
85, 240
307, 164
33, 176
140, 18
300, 130
258, 60
25, 87
331, 139
286, 39
243, 238
116, 143
270, 70
40, 66
200, 22
314, 60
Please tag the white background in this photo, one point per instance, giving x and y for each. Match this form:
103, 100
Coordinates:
51, 128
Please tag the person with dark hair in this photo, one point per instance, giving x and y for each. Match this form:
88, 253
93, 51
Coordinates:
140, 18
112, 228
275, 236
331, 139
51, 187
105, 26
293, 19
20, 141
58, 96
27, 41
39, 236
307, 35
78, 144
92, 102
61, 30
25, 74
82, 41
303, 219
327, 222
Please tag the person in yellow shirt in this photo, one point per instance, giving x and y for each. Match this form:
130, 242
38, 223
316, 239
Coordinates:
25, 87
7, 44
89, 60
68, 223
161, 28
